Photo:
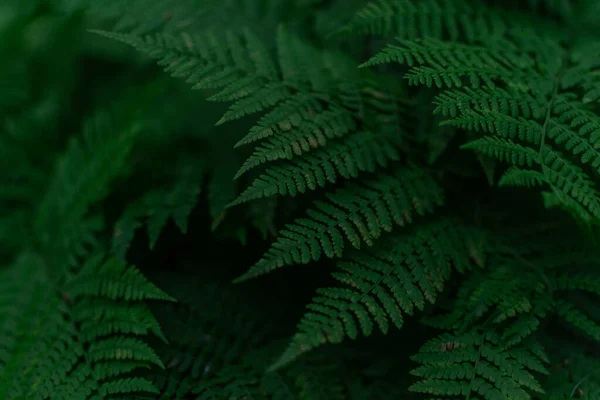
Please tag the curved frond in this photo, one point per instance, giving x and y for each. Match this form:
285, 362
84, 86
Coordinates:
360, 152
360, 213
381, 286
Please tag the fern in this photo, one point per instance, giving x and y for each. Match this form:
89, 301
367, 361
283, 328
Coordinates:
431, 18
313, 104
473, 364
358, 213
359, 152
386, 283
566, 125
63, 360
174, 201
288, 147
496, 297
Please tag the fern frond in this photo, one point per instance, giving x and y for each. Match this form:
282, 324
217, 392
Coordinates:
344, 155
359, 213
581, 71
82, 177
520, 177
101, 319
205, 61
577, 129
512, 304
313, 103
112, 280
311, 133
576, 284
359, 152
51, 351
541, 109
574, 316
474, 364
505, 150
384, 283
581, 281
262, 99
218, 351
509, 101
156, 207
409, 19
447, 64
568, 180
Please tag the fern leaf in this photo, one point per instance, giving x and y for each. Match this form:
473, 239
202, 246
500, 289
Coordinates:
510, 101
381, 285
155, 208
569, 181
578, 319
112, 280
578, 129
47, 356
262, 99
310, 133
217, 351
541, 108
446, 64
101, 319
206, 62
505, 150
502, 125
361, 151
521, 177
359, 213
409, 19
580, 281
82, 177
313, 103
472, 364
283, 118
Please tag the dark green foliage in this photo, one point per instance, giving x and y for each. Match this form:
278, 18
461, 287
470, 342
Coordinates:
381, 286
175, 200
427, 169
459, 366
359, 214
77, 341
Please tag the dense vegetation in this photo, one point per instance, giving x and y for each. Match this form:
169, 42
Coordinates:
299, 199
